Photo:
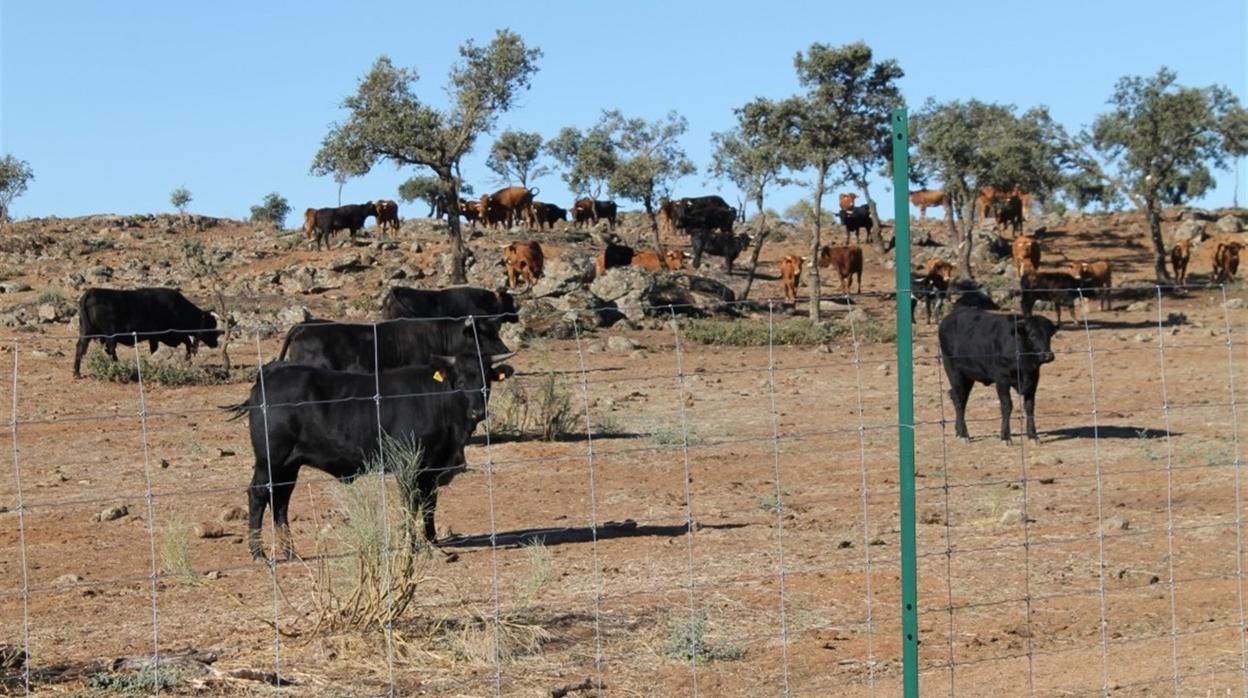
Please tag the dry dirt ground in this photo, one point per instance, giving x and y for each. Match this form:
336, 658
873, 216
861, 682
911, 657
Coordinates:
1107, 556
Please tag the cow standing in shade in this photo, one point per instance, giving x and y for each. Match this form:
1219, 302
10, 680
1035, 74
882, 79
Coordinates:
155, 315
1005, 351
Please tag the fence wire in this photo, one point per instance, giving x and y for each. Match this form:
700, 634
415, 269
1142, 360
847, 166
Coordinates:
770, 569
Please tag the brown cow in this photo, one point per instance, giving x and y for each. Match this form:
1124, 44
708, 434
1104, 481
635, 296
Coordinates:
1180, 255
309, 222
791, 276
470, 210
673, 260
941, 268
1025, 248
589, 212
513, 204
1226, 261
990, 198
524, 257
846, 200
1058, 288
847, 261
1095, 275
928, 198
387, 215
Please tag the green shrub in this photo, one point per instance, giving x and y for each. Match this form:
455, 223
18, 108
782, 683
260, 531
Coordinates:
172, 373
686, 640
145, 681
544, 411
754, 334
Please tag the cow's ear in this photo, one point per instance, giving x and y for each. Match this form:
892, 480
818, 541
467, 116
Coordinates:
503, 372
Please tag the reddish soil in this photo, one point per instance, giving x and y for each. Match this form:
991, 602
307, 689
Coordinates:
1110, 554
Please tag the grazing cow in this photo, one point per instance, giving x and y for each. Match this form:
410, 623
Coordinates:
1095, 275
350, 217
588, 212
387, 215
470, 210
925, 199
990, 198
513, 204
1010, 214
456, 302
309, 223
1226, 261
1025, 249
612, 256
847, 261
335, 422
547, 214
524, 258
791, 276
726, 245
846, 200
1058, 288
157, 315
342, 346
1180, 255
699, 213
672, 260
994, 349
856, 219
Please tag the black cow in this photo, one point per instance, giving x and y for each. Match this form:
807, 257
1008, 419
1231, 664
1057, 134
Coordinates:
994, 349
700, 213
1058, 288
726, 245
350, 217
341, 346
1010, 214
330, 421
932, 289
590, 211
612, 256
457, 302
855, 219
548, 214
158, 315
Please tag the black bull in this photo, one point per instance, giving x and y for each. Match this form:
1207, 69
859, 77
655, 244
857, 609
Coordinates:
335, 421
157, 315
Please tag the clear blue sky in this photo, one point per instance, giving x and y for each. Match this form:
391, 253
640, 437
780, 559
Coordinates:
115, 104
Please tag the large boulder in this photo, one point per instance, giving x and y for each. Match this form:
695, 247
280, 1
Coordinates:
619, 282
565, 274
487, 271
1230, 224
688, 294
541, 317
1190, 229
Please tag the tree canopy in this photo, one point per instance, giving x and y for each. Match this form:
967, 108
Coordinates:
180, 198
272, 210
587, 159
750, 154
387, 121
1159, 142
15, 176
513, 157
650, 158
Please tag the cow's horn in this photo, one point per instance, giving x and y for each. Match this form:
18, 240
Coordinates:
495, 358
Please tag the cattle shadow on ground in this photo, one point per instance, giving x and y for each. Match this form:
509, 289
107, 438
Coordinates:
581, 534
567, 437
1109, 432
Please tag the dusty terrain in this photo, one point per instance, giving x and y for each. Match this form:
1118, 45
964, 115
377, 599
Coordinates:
1109, 555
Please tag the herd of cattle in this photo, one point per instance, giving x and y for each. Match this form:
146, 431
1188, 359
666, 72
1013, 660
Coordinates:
424, 373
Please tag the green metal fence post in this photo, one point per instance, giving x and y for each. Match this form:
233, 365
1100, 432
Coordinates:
905, 407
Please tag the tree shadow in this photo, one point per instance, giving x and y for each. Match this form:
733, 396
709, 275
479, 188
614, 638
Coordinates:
1108, 432
581, 534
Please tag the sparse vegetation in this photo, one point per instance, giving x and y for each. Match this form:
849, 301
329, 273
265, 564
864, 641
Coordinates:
15, 175
538, 569
672, 435
173, 372
545, 411
686, 640
180, 198
755, 334
487, 641
145, 681
271, 211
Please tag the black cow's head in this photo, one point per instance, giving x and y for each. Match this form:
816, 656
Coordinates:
472, 377
1034, 334
208, 321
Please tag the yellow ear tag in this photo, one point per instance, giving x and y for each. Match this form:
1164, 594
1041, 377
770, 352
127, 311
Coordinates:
502, 375
437, 376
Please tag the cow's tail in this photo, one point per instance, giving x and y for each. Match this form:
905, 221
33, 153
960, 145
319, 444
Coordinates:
534, 192
239, 409
281, 356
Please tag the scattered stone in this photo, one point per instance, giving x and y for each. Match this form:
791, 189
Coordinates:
234, 514
1047, 459
621, 344
208, 529
14, 287
113, 513
1234, 304
1047, 480
1012, 517
1115, 523
224, 452
1139, 306
1190, 229
213, 574
845, 544
67, 580
1177, 319
47, 312
932, 515
1229, 224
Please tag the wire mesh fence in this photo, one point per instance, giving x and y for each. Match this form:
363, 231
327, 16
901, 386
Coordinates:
671, 510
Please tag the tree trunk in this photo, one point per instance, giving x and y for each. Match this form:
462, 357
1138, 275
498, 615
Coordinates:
877, 238
966, 231
459, 253
1153, 212
648, 202
758, 247
815, 243
340, 183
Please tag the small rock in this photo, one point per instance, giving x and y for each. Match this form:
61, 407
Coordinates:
845, 544
932, 515
113, 513
66, 580
234, 514
1191, 229
857, 315
1012, 517
207, 529
14, 287
1047, 459
213, 574
224, 452
1177, 319
1115, 523
1139, 306
46, 312
621, 344
1234, 304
